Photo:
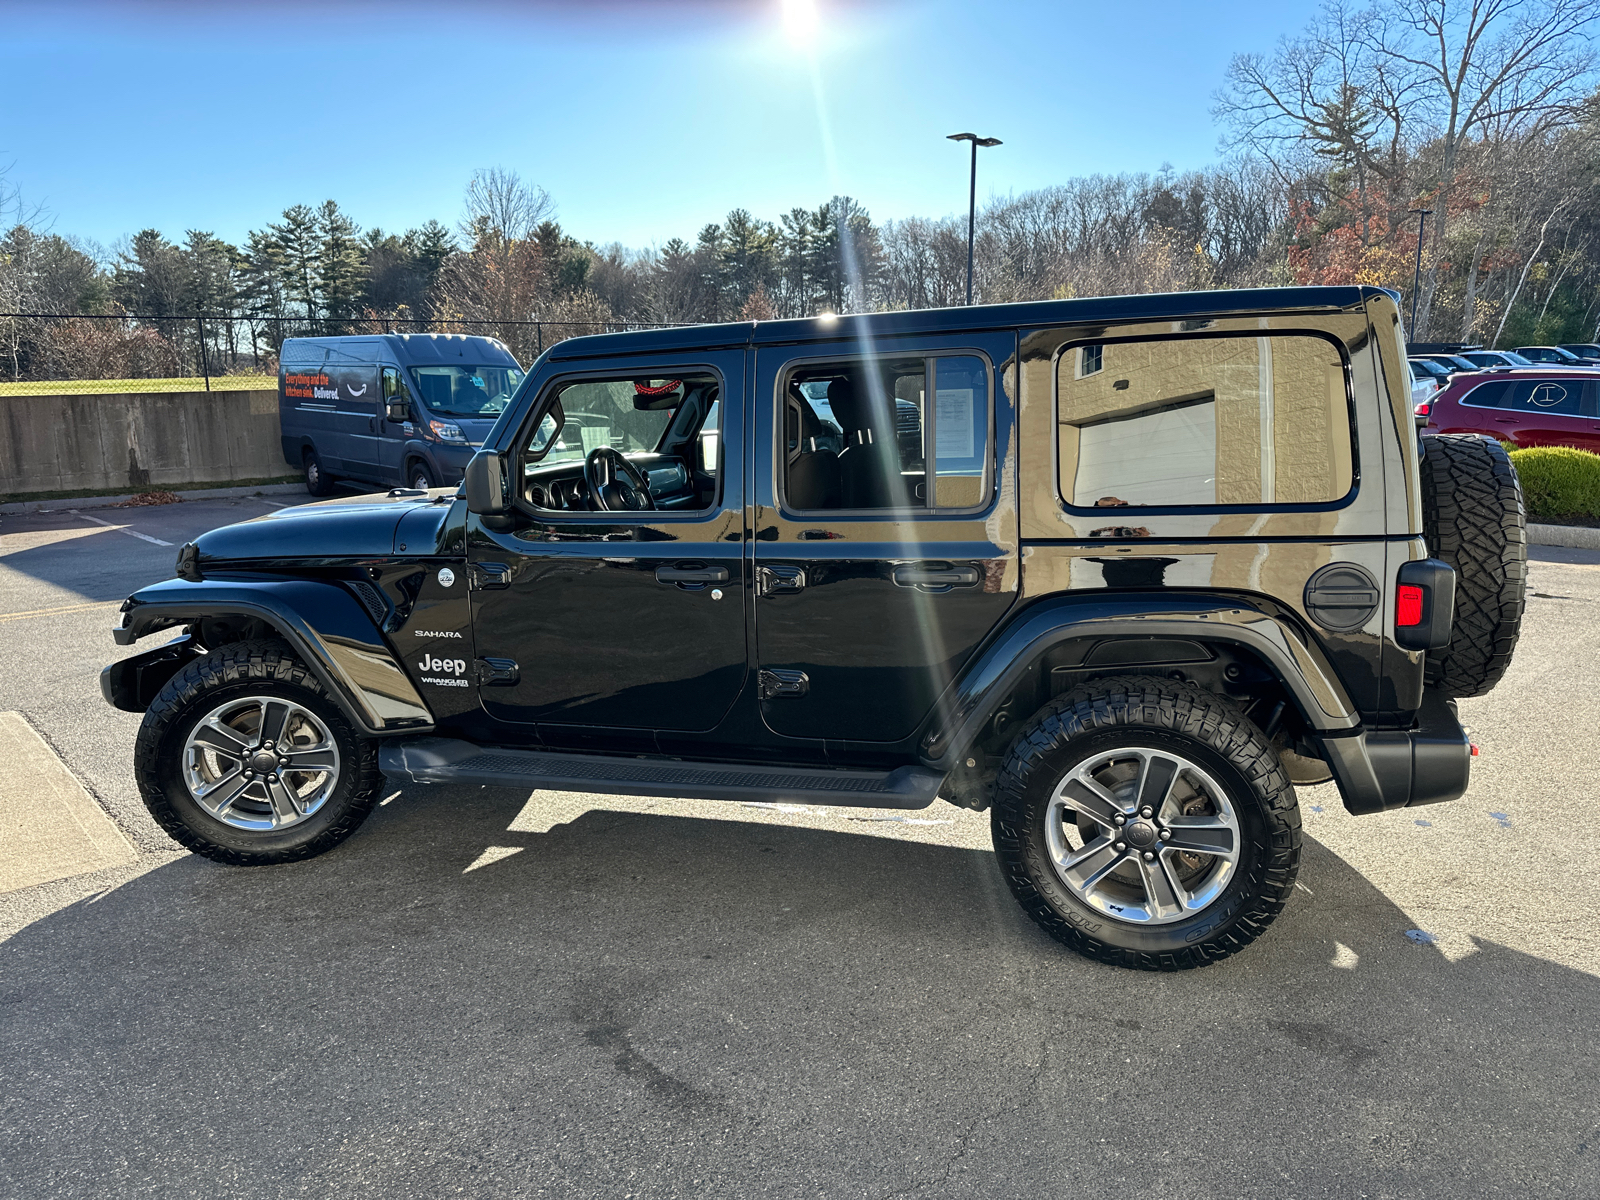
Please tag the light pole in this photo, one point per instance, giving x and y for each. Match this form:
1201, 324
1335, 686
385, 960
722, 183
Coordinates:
972, 199
1422, 215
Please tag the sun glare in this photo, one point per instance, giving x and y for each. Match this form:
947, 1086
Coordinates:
800, 23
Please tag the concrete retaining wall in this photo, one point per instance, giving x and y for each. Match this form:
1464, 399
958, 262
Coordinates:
137, 441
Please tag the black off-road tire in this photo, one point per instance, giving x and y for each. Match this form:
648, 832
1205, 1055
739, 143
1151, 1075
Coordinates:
256, 668
318, 481
1164, 715
1473, 519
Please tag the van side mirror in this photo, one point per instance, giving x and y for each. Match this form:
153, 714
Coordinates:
485, 484
398, 409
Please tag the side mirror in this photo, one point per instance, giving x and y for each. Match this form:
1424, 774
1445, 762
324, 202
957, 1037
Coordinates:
485, 484
398, 409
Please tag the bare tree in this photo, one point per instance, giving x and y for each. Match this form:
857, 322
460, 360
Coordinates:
1413, 93
1485, 70
499, 201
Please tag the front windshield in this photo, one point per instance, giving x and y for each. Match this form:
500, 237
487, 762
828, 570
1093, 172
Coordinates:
1515, 359
467, 391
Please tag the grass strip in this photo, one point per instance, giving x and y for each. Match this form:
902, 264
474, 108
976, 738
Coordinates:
97, 387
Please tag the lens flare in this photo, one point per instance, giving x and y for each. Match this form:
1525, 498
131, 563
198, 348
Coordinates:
800, 21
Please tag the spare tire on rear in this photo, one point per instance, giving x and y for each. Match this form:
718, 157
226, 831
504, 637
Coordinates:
1473, 519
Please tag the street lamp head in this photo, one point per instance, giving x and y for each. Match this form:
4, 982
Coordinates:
973, 138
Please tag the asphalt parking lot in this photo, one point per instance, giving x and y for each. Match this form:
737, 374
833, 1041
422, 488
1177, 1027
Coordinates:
488, 993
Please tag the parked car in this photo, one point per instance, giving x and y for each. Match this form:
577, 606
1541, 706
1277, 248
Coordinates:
406, 410
1029, 611
1549, 356
1451, 363
1526, 407
1589, 352
1426, 378
1493, 359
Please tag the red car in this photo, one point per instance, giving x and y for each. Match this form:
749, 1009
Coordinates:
1527, 407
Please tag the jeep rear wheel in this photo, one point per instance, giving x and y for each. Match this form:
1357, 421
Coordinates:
1473, 519
1148, 824
243, 758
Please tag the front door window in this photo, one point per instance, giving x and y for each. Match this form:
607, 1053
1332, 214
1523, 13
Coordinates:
618, 584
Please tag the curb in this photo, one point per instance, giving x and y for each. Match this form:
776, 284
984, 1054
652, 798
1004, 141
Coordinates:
1576, 537
37, 506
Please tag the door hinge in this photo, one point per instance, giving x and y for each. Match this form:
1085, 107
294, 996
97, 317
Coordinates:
777, 682
487, 576
772, 581
498, 672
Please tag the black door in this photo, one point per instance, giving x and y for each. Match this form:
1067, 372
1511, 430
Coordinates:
626, 619
885, 545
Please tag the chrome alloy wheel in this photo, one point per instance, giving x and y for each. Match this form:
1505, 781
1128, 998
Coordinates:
1144, 836
260, 763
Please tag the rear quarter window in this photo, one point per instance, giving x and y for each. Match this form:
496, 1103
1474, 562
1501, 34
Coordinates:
1204, 421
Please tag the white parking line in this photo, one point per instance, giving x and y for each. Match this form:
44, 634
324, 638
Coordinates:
275, 504
143, 537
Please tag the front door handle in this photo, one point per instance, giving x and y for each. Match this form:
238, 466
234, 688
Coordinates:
691, 574
940, 577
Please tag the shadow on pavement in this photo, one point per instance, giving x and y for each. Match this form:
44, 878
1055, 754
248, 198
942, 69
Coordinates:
661, 1005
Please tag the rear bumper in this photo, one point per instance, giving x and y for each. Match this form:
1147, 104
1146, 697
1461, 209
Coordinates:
1379, 770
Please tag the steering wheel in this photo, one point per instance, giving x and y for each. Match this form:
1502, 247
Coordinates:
615, 484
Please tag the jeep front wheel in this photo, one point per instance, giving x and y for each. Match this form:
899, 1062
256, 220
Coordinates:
243, 758
1148, 824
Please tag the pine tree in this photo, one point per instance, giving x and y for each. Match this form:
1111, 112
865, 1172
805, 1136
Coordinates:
299, 246
341, 270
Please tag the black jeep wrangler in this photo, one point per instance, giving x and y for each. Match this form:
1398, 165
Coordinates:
1122, 571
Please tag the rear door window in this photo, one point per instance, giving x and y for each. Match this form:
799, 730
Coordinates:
902, 433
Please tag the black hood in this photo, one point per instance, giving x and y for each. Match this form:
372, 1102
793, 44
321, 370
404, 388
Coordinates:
357, 527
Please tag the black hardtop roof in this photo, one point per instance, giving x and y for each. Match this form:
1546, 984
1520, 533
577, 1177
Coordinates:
1102, 310
410, 349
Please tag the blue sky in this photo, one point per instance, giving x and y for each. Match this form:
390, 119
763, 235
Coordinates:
642, 120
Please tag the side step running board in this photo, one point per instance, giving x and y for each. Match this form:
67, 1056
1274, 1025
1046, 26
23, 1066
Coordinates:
447, 760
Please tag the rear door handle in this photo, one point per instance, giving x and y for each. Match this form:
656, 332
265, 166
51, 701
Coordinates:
1507, 420
935, 578
691, 574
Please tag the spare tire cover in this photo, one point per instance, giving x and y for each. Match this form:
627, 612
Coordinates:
1473, 519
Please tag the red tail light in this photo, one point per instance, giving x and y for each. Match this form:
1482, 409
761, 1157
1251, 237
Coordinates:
1424, 408
1408, 605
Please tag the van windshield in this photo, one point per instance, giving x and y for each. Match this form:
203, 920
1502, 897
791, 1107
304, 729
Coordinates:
467, 391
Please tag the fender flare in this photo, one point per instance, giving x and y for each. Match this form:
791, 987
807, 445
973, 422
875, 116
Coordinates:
340, 643
1300, 666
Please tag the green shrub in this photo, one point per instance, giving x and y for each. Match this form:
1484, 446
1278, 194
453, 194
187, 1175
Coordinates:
1559, 482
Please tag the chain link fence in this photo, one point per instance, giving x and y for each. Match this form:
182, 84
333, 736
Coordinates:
41, 353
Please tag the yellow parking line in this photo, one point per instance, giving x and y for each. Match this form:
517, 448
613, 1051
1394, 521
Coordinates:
50, 612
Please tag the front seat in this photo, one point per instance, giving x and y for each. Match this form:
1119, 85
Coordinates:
869, 464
